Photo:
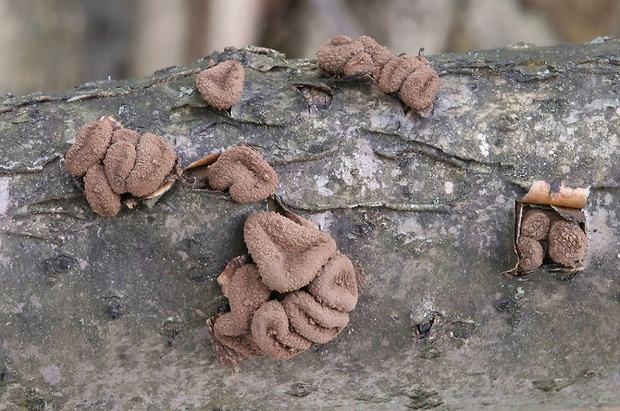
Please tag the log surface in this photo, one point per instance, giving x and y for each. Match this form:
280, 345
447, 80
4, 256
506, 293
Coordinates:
110, 313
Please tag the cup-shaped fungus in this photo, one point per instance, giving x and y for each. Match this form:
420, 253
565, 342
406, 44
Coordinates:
567, 243
154, 161
122, 162
312, 320
90, 147
288, 255
297, 293
530, 252
222, 85
410, 77
271, 332
535, 224
246, 294
244, 173
335, 286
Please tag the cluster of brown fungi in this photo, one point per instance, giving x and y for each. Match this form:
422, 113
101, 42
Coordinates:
410, 78
111, 161
294, 290
544, 234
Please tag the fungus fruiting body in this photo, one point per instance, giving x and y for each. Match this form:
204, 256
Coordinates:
221, 85
530, 253
411, 78
567, 243
301, 292
244, 173
114, 161
288, 255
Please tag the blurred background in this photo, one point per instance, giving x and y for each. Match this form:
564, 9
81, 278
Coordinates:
48, 45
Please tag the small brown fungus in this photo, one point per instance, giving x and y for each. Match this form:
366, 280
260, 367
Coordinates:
155, 159
90, 147
118, 162
222, 85
103, 200
312, 320
535, 224
246, 294
244, 173
271, 332
335, 286
121, 162
288, 255
124, 134
567, 243
411, 77
333, 56
530, 253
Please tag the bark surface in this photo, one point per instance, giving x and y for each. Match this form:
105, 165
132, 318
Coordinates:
110, 313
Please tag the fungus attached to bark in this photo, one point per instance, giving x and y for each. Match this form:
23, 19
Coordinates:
154, 161
90, 147
288, 255
118, 162
246, 294
311, 319
530, 253
122, 162
222, 85
297, 292
567, 243
103, 200
244, 173
271, 332
335, 286
410, 77
535, 224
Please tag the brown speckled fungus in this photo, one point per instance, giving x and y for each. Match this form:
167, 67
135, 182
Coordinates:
567, 243
411, 78
306, 291
244, 173
222, 85
114, 161
531, 253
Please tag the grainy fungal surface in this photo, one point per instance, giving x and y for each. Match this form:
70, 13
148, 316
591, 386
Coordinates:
567, 243
118, 161
244, 173
531, 253
222, 85
297, 293
411, 78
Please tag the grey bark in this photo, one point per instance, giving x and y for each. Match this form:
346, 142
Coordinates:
109, 313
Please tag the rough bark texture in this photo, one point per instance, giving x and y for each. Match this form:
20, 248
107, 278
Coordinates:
109, 313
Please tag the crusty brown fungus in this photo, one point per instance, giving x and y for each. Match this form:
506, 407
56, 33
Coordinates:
288, 255
122, 162
222, 85
535, 224
272, 333
90, 147
311, 319
411, 77
154, 160
298, 291
244, 173
531, 253
246, 294
567, 243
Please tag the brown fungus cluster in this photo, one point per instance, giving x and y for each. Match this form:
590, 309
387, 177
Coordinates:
241, 171
112, 161
411, 78
221, 85
546, 237
294, 291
